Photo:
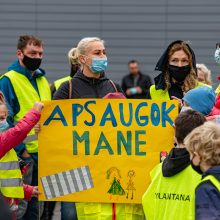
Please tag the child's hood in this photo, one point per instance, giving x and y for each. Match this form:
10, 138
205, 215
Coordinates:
177, 160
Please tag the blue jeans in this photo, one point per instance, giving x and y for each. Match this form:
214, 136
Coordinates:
68, 211
30, 210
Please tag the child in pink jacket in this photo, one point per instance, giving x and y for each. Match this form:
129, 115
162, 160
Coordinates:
11, 137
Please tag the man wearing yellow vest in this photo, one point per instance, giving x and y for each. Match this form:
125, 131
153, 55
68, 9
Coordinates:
203, 145
173, 182
22, 86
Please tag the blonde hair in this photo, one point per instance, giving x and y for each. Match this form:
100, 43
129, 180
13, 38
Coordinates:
206, 71
71, 56
82, 48
205, 140
190, 81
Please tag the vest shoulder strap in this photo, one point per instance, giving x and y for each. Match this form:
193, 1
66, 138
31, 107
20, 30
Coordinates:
114, 86
70, 89
213, 180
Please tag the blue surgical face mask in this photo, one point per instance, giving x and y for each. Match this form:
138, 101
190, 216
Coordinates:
217, 55
3, 125
99, 65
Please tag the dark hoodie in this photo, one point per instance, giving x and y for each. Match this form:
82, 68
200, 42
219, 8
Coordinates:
177, 160
208, 197
161, 65
86, 87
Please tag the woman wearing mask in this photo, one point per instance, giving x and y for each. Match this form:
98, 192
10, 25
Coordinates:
178, 72
90, 82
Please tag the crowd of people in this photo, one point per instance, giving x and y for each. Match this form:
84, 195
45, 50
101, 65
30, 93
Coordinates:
186, 185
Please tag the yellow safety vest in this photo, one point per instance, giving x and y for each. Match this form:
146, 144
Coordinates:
213, 180
171, 197
27, 96
160, 94
103, 211
11, 184
58, 82
217, 91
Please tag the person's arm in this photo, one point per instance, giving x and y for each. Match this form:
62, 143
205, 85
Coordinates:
62, 92
14, 136
13, 107
28, 191
207, 202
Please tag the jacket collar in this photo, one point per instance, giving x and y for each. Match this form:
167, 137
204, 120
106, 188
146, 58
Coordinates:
215, 171
24, 71
89, 80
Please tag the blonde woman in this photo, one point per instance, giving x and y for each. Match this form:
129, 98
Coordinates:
90, 82
203, 73
203, 144
178, 72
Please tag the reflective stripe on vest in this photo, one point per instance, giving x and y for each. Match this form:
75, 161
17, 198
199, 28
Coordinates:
27, 96
58, 82
91, 211
160, 94
213, 180
9, 165
171, 197
217, 91
30, 138
11, 184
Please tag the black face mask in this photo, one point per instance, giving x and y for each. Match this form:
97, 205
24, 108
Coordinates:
196, 168
31, 63
179, 73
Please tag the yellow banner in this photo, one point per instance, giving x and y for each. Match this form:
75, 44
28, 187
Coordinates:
102, 150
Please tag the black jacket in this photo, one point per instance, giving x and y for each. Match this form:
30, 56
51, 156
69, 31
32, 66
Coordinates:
161, 65
85, 87
143, 81
208, 197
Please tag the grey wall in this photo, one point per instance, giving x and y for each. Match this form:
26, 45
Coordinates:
138, 29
